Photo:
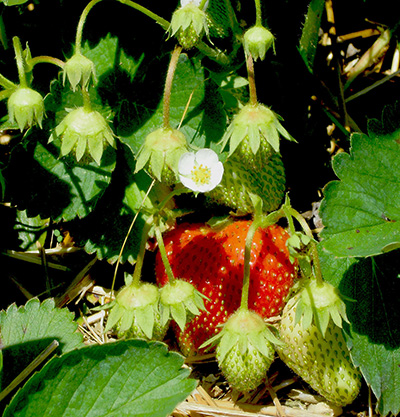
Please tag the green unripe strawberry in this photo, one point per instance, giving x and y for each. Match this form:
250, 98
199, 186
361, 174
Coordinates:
189, 24
79, 70
180, 301
84, 131
257, 40
239, 183
135, 312
160, 154
254, 135
245, 351
25, 107
322, 361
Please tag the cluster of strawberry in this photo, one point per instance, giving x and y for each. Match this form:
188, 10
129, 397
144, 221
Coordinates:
219, 285
213, 261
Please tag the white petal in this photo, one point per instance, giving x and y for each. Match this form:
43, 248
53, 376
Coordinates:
186, 163
217, 173
188, 182
206, 157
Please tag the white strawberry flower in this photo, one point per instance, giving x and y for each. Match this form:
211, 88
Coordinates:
201, 171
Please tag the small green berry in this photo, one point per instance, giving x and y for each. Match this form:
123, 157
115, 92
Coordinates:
25, 107
79, 70
189, 24
83, 130
257, 40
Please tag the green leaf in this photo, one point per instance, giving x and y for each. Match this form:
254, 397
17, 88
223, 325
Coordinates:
204, 121
361, 212
310, 33
26, 331
60, 188
374, 333
30, 230
104, 231
128, 378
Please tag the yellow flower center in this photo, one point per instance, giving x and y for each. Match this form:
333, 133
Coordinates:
201, 174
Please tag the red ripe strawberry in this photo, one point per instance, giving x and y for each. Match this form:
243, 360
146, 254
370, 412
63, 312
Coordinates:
212, 260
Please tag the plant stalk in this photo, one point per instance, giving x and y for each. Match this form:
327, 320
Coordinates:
44, 59
6, 83
82, 20
164, 256
251, 79
258, 13
168, 85
137, 273
162, 22
20, 62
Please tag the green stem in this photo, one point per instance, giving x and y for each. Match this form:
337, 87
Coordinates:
3, 35
202, 4
82, 20
258, 13
137, 273
172, 194
164, 256
128, 233
162, 22
44, 59
87, 104
259, 221
251, 79
20, 62
168, 85
314, 251
6, 84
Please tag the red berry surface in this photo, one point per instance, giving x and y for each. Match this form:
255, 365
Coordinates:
213, 261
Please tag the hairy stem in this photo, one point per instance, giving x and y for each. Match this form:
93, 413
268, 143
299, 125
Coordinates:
251, 79
20, 62
82, 20
164, 256
168, 85
137, 273
44, 59
258, 12
314, 251
162, 22
6, 83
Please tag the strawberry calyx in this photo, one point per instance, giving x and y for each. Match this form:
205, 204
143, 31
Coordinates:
25, 107
79, 70
189, 24
253, 127
161, 153
135, 312
319, 302
245, 349
257, 40
82, 131
180, 301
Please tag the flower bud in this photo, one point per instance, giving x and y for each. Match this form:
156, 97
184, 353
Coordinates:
25, 107
257, 40
79, 70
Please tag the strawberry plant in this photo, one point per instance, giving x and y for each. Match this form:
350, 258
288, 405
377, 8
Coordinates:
154, 162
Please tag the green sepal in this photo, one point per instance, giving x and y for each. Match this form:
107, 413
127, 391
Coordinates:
318, 303
145, 320
226, 343
96, 147
113, 318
